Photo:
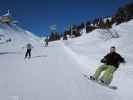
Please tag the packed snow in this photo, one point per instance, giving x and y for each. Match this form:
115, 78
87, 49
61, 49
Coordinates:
56, 72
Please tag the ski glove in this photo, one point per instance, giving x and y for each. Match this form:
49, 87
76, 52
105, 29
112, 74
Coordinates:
103, 60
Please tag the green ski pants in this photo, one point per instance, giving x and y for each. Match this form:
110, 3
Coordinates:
107, 75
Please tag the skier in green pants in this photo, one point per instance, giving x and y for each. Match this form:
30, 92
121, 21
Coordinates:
111, 63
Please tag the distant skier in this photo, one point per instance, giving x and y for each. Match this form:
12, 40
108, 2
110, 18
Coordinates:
65, 37
111, 63
28, 52
46, 42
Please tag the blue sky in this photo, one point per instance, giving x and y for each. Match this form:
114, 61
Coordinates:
38, 15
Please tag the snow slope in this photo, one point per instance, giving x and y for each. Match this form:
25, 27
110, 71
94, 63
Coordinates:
55, 72
50, 74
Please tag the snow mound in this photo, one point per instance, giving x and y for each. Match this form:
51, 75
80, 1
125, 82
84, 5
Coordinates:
13, 36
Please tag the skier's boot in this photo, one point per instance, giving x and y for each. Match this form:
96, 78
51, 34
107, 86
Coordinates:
92, 78
103, 82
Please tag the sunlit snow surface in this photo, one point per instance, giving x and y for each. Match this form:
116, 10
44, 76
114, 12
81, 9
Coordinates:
55, 72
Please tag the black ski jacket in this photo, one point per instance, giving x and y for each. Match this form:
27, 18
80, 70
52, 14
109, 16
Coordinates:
113, 59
